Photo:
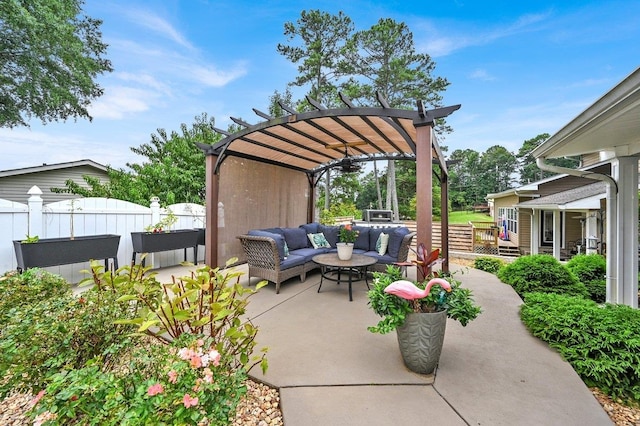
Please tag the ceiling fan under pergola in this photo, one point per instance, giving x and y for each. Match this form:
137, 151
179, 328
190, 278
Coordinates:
347, 164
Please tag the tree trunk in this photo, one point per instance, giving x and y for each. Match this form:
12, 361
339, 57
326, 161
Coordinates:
327, 189
375, 172
392, 194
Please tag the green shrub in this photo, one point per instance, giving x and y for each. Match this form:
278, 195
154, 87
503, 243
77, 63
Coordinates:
602, 343
32, 286
591, 270
58, 333
488, 264
541, 273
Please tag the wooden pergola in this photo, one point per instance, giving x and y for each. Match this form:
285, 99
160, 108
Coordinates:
315, 141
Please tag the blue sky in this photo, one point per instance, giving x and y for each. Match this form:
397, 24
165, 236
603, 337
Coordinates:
519, 68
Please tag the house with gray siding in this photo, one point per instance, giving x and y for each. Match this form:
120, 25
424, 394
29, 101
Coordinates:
15, 183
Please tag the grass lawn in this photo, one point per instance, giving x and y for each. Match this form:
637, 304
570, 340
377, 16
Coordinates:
465, 217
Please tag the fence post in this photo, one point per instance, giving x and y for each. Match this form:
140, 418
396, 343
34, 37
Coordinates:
35, 211
155, 210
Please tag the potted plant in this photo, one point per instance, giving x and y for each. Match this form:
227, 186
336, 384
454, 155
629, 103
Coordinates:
43, 252
346, 236
158, 237
418, 312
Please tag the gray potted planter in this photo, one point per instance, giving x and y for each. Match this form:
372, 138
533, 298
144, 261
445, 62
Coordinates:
152, 242
420, 339
61, 251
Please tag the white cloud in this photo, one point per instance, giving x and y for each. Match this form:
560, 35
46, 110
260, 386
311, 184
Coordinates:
159, 25
480, 74
210, 76
119, 102
438, 45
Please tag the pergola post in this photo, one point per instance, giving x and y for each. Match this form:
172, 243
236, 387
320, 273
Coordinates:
211, 212
444, 218
424, 182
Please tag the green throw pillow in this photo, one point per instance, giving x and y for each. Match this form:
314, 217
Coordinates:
286, 250
318, 240
382, 243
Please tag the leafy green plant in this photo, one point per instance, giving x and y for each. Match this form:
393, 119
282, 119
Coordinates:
591, 270
212, 301
488, 264
601, 342
32, 286
181, 383
58, 333
541, 273
167, 222
458, 302
30, 239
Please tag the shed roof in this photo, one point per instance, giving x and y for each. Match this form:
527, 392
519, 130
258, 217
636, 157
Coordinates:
47, 167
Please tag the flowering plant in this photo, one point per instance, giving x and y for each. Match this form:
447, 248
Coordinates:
393, 298
186, 382
347, 234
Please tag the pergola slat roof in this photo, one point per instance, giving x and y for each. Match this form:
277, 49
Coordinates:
316, 140
312, 142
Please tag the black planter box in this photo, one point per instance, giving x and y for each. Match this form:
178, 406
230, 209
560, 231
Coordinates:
149, 242
62, 251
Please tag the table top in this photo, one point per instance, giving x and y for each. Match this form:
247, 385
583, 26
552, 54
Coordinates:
331, 259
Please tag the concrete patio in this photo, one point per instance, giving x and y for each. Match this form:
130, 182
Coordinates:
330, 370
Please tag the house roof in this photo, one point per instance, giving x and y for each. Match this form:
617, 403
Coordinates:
48, 167
323, 138
583, 197
610, 124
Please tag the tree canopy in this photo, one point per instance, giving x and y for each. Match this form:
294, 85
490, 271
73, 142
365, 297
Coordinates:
50, 56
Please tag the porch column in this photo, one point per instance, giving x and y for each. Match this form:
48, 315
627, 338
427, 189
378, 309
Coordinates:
211, 213
625, 246
557, 234
424, 181
535, 231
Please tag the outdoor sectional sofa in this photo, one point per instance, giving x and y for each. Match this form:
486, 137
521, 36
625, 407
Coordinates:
277, 254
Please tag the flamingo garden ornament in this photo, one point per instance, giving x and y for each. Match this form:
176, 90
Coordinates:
408, 290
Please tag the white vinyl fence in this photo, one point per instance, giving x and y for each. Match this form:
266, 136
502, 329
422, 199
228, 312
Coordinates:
91, 216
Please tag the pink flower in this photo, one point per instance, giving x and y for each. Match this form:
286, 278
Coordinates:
186, 353
200, 343
196, 387
155, 389
208, 375
37, 398
173, 376
214, 356
188, 401
196, 361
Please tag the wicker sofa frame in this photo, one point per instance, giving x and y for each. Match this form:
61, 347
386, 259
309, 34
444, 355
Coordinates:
264, 262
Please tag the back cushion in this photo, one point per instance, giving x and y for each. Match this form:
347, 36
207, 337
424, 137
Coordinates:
296, 238
362, 242
310, 228
330, 233
395, 240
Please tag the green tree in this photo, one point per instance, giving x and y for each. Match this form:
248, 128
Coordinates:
464, 178
50, 56
174, 169
383, 59
529, 171
318, 53
498, 167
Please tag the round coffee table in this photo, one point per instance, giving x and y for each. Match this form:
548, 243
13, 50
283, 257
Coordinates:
329, 263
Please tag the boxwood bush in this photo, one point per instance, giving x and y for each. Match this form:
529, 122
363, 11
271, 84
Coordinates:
601, 342
488, 264
591, 270
541, 273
